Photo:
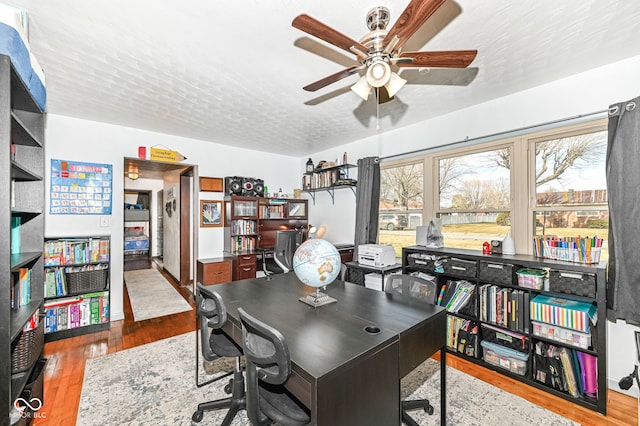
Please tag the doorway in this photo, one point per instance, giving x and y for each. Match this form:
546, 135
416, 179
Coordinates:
137, 230
169, 239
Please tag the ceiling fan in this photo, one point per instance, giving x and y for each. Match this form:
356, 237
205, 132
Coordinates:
380, 49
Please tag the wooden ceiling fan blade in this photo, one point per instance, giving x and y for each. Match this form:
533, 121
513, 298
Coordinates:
332, 78
440, 59
324, 32
412, 18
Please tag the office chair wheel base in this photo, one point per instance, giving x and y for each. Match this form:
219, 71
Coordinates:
429, 410
197, 416
228, 388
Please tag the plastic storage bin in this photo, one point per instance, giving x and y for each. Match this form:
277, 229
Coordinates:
531, 278
561, 334
505, 358
508, 339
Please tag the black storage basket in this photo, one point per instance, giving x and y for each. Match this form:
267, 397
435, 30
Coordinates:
27, 349
497, 273
422, 261
86, 281
572, 282
460, 267
508, 339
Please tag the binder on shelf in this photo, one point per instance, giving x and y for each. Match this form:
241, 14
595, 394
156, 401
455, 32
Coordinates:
16, 221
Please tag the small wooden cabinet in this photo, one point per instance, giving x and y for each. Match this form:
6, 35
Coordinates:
244, 266
214, 270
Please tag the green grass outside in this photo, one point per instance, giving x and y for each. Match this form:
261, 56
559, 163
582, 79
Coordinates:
399, 239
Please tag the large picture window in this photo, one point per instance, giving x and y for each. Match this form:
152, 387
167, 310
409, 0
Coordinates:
550, 182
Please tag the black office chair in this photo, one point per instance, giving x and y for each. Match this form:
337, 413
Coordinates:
215, 345
426, 291
268, 368
285, 248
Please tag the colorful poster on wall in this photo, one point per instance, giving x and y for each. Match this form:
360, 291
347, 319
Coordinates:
80, 188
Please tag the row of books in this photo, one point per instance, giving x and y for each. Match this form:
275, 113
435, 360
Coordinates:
505, 307
566, 313
320, 179
272, 212
567, 370
456, 295
74, 312
21, 288
572, 249
244, 243
75, 251
243, 227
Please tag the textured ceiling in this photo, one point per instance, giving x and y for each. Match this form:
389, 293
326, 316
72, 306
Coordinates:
232, 72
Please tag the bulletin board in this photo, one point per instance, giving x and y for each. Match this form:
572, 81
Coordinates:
80, 188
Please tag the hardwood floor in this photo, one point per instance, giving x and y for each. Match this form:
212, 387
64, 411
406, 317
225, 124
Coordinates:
65, 370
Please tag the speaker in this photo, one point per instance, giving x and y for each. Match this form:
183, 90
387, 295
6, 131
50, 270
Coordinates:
421, 235
252, 187
233, 185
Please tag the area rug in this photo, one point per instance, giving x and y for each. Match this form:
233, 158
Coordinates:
151, 295
154, 384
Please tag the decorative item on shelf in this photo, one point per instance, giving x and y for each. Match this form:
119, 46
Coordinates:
297, 193
508, 245
309, 165
435, 239
317, 264
496, 247
486, 248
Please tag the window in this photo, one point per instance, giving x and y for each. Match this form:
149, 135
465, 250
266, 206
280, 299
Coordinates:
570, 186
401, 204
545, 183
474, 196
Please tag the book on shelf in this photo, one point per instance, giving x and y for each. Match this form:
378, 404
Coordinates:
75, 312
20, 288
568, 370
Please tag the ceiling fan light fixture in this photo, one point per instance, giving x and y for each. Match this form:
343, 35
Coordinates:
378, 74
395, 83
362, 88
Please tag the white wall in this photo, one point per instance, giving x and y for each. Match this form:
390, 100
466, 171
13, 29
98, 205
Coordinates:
87, 141
580, 94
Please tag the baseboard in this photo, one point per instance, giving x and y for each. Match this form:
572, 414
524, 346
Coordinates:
632, 391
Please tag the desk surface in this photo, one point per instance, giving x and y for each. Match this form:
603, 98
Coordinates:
331, 353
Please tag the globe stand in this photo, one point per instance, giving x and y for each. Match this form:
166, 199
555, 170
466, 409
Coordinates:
317, 299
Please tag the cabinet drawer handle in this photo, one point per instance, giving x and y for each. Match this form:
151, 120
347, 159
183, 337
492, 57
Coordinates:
246, 269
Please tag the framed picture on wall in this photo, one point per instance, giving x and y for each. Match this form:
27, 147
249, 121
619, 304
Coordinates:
211, 213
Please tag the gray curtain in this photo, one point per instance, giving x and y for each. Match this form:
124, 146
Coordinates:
367, 202
623, 187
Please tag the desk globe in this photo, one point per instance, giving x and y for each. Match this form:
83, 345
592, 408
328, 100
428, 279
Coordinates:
317, 264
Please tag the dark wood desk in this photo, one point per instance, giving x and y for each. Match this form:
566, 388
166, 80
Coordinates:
344, 374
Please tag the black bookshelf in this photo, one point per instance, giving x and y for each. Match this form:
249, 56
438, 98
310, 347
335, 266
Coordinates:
473, 259
22, 230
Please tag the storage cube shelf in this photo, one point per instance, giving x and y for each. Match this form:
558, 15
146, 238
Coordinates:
22, 231
518, 304
76, 286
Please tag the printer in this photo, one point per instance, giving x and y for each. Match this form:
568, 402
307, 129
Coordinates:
378, 255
